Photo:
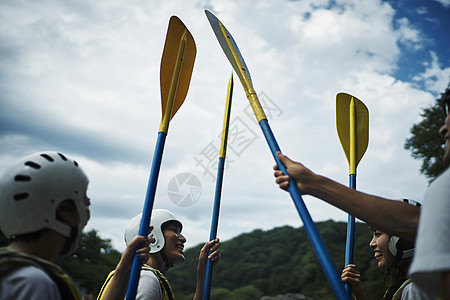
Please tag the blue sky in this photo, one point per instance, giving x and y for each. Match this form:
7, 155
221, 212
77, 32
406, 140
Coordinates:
431, 18
82, 77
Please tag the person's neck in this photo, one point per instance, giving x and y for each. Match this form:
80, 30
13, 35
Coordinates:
157, 262
48, 246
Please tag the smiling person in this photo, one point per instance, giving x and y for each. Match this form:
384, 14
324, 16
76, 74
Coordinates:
393, 256
43, 208
166, 251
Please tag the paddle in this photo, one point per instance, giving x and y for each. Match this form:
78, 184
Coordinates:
218, 193
177, 63
352, 123
234, 56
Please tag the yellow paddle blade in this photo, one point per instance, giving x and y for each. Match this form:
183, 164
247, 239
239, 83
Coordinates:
352, 123
177, 63
234, 56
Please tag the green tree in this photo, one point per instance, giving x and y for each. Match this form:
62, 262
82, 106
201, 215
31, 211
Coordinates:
280, 261
425, 142
221, 294
248, 292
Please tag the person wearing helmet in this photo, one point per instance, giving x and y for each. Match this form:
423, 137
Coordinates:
43, 209
393, 255
166, 250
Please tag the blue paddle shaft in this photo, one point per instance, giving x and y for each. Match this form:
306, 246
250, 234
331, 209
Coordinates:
147, 212
311, 230
214, 224
350, 242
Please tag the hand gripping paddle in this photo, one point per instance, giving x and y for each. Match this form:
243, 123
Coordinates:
175, 75
231, 50
352, 123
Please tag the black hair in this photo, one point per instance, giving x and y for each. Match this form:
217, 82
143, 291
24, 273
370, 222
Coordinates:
29, 237
398, 273
168, 223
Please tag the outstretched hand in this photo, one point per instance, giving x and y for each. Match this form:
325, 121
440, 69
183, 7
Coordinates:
299, 173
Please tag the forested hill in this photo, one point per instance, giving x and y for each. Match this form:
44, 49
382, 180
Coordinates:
253, 265
279, 261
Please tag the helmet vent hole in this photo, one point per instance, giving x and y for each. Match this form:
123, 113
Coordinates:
62, 157
22, 178
75, 163
48, 157
20, 196
33, 165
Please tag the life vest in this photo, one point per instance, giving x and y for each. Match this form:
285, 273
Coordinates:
398, 293
166, 289
10, 259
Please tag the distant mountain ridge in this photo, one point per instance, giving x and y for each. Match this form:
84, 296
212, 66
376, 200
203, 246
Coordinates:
279, 261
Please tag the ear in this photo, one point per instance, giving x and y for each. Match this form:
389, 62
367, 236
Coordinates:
67, 212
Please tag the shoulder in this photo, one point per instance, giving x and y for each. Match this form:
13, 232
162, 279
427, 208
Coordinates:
149, 286
434, 221
149, 275
28, 282
432, 254
432, 236
412, 292
438, 189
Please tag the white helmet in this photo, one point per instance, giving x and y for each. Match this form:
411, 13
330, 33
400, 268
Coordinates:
400, 247
32, 189
157, 220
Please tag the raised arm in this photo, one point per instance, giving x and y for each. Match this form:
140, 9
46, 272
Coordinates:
117, 287
390, 216
212, 246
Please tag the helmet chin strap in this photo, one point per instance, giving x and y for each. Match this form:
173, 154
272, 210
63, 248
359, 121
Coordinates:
70, 240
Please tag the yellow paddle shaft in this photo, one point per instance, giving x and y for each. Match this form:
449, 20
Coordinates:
352, 118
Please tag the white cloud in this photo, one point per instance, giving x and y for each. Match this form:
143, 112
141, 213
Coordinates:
445, 3
434, 76
83, 77
408, 35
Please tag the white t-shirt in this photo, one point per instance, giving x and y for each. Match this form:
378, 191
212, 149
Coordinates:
28, 283
149, 287
413, 292
432, 254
